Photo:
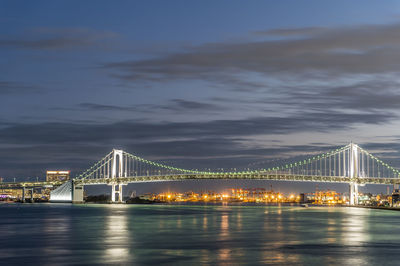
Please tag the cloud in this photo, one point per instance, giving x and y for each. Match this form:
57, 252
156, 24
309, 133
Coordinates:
72, 132
377, 93
315, 80
351, 69
187, 105
292, 31
11, 87
105, 107
350, 50
173, 105
57, 38
31, 148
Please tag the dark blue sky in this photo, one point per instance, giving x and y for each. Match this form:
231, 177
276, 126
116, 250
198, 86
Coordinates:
201, 84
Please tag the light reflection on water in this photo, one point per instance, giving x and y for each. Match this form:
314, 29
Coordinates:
355, 236
224, 251
355, 231
205, 222
117, 238
194, 235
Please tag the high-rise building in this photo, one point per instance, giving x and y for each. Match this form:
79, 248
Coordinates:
57, 176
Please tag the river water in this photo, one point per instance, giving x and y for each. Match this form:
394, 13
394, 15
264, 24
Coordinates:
64, 234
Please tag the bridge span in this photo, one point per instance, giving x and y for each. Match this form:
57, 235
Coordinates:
349, 164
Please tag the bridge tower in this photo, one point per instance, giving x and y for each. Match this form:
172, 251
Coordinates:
116, 172
353, 173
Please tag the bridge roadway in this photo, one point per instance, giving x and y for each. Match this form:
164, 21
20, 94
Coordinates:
30, 184
233, 176
223, 176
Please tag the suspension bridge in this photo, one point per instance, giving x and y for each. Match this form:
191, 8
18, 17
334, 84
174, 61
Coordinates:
349, 164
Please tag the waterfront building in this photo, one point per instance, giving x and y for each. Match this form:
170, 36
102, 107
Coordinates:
146, 196
365, 198
6, 194
396, 198
57, 176
326, 197
383, 200
16, 194
232, 195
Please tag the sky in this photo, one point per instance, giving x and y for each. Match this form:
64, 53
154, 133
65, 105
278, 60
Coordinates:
195, 84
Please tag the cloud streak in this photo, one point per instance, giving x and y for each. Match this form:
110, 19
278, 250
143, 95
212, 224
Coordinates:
103, 133
351, 69
12, 88
310, 80
353, 50
57, 39
173, 105
212, 144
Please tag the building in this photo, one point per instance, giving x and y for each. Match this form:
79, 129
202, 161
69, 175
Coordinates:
396, 198
325, 197
57, 176
6, 194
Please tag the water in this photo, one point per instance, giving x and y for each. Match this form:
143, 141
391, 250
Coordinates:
48, 234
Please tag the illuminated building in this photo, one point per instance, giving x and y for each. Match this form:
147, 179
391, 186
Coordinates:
396, 198
15, 194
10, 193
233, 195
147, 196
326, 197
57, 176
364, 198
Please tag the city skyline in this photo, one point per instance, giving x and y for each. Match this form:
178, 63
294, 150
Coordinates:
238, 89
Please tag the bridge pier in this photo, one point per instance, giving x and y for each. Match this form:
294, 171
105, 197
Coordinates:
354, 173
353, 194
117, 170
23, 195
77, 193
31, 195
23, 199
115, 192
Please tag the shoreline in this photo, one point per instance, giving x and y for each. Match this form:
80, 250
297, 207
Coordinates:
244, 204
376, 208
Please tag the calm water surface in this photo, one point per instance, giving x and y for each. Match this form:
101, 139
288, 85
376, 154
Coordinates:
49, 234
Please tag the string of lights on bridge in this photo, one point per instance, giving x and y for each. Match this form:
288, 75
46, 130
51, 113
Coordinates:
332, 163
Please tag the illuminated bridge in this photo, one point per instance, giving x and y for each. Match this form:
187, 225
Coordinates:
349, 164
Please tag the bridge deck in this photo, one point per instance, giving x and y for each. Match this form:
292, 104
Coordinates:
256, 176
182, 177
35, 184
